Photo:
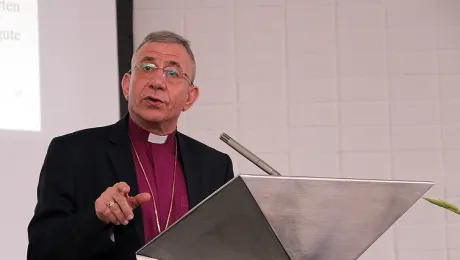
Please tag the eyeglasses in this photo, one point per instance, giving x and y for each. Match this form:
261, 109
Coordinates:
171, 74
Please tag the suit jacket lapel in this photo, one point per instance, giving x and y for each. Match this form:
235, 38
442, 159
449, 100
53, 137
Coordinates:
191, 167
122, 160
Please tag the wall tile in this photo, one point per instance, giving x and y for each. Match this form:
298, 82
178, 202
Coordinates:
256, 116
245, 3
416, 137
312, 89
420, 166
382, 249
311, 139
410, 87
447, 12
265, 139
430, 237
215, 23
422, 254
215, 92
318, 41
364, 113
257, 37
452, 218
453, 236
449, 110
314, 164
301, 66
211, 117
269, 20
411, 12
363, 15
420, 214
182, 123
260, 91
451, 136
313, 114
158, 4
366, 165
363, 64
364, 89
147, 21
452, 173
214, 68
208, 4
278, 161
214, 61
252, 63
420, 112
310, 2
449, 36
449, 86
211, 138
361, 39
412, 38
360, 2
412, 62
453, 254
317, 33
365, 138
449, 61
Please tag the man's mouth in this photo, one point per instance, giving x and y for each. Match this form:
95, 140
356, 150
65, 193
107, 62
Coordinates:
154, 100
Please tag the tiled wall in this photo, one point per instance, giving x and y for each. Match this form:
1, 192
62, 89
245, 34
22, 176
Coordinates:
348, 88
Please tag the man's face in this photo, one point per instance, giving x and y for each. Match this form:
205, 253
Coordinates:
157, 95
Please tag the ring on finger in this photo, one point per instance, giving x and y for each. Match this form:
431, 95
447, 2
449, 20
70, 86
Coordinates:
110, 203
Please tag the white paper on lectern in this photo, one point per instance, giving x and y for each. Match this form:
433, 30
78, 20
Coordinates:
141, 257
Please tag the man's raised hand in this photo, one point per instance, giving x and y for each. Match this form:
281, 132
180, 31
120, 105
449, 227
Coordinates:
116, 206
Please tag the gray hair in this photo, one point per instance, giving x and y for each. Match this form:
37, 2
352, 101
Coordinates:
170, 37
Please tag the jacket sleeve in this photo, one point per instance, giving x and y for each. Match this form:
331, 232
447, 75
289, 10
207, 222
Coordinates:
58, 230
229, 173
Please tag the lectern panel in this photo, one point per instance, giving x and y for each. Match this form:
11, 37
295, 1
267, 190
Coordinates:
228, 226
325, 218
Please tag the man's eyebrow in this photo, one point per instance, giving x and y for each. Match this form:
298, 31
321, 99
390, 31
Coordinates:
174, 63
148, 58
169, 63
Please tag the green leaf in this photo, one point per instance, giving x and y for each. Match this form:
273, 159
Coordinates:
444, 204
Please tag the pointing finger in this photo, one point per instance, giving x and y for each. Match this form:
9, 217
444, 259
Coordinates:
124, 207
111, 217
139, 199
122, 187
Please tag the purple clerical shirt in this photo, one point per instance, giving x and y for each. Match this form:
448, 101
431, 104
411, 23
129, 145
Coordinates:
158, 162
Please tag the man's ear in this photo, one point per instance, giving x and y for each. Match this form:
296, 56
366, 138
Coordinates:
192, 96
125, 82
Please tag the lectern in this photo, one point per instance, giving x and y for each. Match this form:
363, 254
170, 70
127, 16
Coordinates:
280, 217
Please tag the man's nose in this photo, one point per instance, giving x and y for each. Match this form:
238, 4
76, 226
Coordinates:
157, 79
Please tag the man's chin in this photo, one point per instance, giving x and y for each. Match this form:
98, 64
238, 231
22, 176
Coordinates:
154, 118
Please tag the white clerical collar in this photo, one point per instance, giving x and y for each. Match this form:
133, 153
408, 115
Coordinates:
157, 139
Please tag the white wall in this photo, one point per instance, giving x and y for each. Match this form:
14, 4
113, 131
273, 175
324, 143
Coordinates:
79, 80
349, 88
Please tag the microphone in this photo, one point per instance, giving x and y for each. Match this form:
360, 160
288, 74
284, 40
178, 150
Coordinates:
250, 156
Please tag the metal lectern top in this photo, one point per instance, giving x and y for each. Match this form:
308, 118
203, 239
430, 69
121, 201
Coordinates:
278, 217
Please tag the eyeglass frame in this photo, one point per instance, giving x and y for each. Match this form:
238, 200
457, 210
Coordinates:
186, 77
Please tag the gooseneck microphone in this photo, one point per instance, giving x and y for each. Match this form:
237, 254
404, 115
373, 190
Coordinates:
250, 156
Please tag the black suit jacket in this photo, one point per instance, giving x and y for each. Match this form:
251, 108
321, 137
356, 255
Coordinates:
79, 166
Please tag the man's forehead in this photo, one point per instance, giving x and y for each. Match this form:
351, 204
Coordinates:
162, 52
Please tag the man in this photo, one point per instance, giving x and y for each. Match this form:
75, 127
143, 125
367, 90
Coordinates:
104, 192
